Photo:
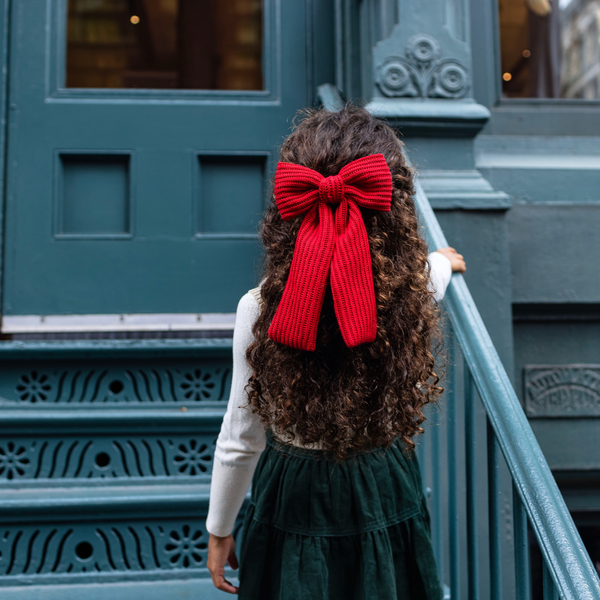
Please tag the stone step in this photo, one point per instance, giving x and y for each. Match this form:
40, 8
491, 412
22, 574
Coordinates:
106, 445
106, 452
180, 589
93, 410
104, 534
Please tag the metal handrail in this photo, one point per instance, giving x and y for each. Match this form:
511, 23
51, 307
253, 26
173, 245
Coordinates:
564, 553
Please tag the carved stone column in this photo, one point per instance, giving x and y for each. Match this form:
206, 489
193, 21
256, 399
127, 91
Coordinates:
418, 72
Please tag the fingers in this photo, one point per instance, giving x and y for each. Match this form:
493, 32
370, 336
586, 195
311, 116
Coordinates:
459, 266
456, 260
221, 550
233, 560
222, 584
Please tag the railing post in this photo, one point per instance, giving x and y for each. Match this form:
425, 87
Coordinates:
471, 450
550, 592
522, 558
453, 499
494, 514
437, 519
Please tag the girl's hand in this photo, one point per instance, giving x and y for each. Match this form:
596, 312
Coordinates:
456, 260
221, 550
540, 7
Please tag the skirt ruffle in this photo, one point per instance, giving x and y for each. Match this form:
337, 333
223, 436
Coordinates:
318, 530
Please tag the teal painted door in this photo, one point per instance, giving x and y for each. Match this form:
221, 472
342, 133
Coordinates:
139, 200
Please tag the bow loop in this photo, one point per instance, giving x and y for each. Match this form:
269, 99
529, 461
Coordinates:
327, 248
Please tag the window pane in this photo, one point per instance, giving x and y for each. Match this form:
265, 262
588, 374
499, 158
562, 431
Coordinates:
165, 44
550, 48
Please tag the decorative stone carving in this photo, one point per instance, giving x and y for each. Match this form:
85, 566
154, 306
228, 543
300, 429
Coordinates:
421, 73
114, 457
103, 547
109, 385
562, 390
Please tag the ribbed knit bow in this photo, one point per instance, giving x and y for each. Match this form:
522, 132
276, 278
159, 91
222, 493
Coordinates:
326, 246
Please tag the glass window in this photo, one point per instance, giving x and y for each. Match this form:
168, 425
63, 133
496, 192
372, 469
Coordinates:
165, 44
550, 48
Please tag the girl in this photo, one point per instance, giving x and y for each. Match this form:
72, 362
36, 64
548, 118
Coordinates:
332, 366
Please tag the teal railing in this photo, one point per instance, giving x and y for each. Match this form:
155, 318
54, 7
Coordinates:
454, 455
476, 373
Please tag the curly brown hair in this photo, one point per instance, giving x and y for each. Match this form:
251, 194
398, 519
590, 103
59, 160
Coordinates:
350, 399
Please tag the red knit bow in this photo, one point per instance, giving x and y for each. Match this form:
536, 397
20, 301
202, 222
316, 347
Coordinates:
324, 247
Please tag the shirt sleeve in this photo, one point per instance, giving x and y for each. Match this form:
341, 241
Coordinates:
242, 438
439, 275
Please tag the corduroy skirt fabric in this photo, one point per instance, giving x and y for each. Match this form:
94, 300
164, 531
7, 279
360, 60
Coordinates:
320, 530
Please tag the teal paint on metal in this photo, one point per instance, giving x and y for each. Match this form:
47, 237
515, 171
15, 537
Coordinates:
453, 483
106, 450
494, 507
329, 97
115, 348
436, 502
155, 263
564, 554
133, 544
549, 589
159, 589
472, 505
522, 558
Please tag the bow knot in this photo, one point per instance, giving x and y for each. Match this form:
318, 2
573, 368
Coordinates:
328, 246
331, 189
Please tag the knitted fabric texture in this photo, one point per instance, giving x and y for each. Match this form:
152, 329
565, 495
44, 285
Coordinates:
327, 246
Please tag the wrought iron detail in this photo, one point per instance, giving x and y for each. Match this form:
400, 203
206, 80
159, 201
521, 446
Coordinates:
106, 457
197, 385
186, 547
33, 387
562, 390
421, 73
105, 547
13, 461
128, 385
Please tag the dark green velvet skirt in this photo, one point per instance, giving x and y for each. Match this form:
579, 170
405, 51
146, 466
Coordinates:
319, 530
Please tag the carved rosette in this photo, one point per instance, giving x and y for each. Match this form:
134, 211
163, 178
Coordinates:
421, 73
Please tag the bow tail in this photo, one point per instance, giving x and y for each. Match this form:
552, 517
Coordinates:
352, 278
297, 316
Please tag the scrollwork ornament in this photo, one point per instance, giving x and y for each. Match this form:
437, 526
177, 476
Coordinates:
421, 73
449, 80
422, 48
396, 78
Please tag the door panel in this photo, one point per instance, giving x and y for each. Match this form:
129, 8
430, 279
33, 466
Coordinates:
139, 201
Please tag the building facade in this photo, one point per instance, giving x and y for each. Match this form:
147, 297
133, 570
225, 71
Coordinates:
138, 138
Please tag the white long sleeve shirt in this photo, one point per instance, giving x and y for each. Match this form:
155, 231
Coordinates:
243, 438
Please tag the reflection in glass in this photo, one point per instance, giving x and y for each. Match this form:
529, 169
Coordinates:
165, 44
550, 48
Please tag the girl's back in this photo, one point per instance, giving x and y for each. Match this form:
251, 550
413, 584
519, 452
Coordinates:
333, 365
